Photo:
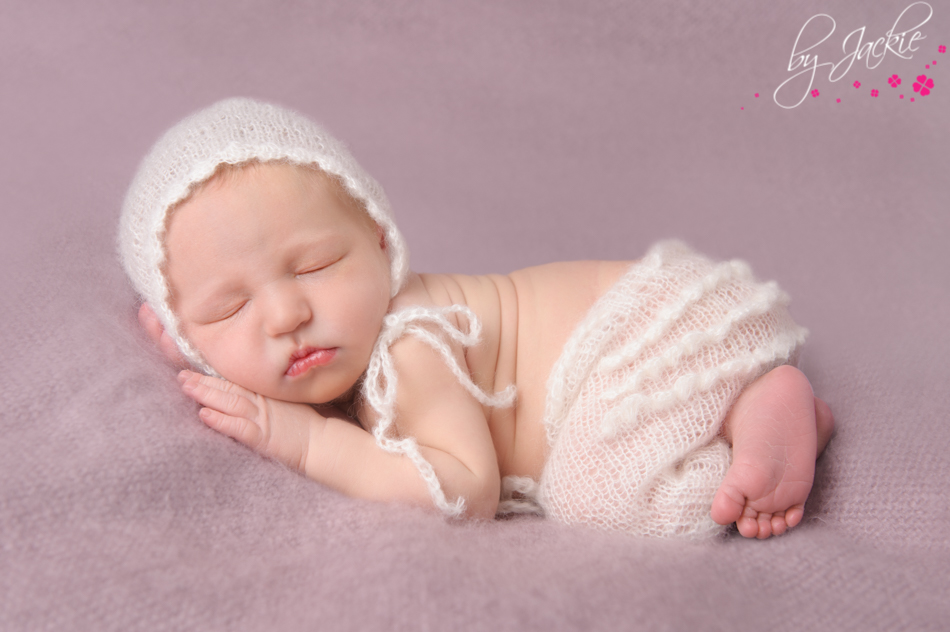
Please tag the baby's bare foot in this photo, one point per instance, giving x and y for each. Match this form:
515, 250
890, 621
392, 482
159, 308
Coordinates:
777, 427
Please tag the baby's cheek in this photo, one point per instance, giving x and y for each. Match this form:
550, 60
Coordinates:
232, 358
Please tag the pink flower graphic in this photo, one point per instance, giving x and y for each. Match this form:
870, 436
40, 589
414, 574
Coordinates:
815, 93
874, 93
923, 85
894, 81
857, 84
942, 49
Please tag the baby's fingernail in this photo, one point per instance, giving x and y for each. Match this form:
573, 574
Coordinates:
187, 381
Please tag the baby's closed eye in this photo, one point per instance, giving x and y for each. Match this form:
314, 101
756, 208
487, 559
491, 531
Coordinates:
222, 313
234, 311
316, 266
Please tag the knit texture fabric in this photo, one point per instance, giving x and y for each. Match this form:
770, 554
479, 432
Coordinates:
234, 131
636, 400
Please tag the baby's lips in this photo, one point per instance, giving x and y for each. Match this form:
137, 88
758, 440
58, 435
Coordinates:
304, 359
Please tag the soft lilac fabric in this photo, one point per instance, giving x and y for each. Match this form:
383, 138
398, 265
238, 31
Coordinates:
506, 134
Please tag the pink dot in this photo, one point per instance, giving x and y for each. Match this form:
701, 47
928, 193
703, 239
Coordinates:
927, 66
756, 95
912, 99
741, 108
902, 96
837, 100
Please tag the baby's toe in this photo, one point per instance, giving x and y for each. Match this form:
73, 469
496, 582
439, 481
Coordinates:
779, 523
727, 505
765, 525
748, 523
793, 515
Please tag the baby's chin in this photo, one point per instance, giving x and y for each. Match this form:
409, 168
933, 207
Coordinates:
341, 398
349, 398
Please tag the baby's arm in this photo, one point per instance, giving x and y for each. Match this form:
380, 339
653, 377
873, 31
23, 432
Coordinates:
341, 455
448, 424
327, 448
777, 428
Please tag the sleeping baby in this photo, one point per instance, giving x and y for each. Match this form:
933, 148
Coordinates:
657, 397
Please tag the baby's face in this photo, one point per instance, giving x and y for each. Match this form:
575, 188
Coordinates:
280, 280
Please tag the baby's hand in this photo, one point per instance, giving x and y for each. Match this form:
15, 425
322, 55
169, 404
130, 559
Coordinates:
276, 429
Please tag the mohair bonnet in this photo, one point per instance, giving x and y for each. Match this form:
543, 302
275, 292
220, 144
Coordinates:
233, 131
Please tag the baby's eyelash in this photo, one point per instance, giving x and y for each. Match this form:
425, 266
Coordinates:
316, 268
231, 313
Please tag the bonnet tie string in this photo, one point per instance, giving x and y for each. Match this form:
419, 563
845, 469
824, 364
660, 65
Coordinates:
380, 385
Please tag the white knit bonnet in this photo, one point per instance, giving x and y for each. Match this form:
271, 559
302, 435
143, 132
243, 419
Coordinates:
233, 131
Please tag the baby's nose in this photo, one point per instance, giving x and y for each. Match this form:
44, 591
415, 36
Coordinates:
287, 310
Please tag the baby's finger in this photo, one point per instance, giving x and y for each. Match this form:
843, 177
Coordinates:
220, 395
218, 383
237, 428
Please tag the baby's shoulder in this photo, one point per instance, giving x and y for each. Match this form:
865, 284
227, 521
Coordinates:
429, 290
483, 294
562, 282
497, 297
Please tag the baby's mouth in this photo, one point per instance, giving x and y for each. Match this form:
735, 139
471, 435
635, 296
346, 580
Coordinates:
303, 360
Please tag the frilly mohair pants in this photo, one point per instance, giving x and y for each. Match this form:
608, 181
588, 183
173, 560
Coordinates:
637, 399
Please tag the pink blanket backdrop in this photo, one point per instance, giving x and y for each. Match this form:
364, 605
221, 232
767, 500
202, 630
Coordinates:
506, 134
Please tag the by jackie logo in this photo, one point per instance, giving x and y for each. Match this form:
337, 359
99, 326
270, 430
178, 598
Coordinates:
903, 39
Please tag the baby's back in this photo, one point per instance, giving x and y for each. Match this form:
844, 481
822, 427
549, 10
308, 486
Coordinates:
526, 316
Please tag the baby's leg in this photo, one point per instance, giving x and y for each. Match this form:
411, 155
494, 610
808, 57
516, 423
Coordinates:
777, 428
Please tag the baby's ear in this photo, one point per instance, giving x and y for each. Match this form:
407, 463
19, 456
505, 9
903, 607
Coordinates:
382, 236
156, 332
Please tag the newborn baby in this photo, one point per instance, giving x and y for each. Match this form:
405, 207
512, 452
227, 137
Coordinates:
655, 397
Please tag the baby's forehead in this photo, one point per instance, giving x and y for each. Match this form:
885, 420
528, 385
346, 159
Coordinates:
309, 178
227, 174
